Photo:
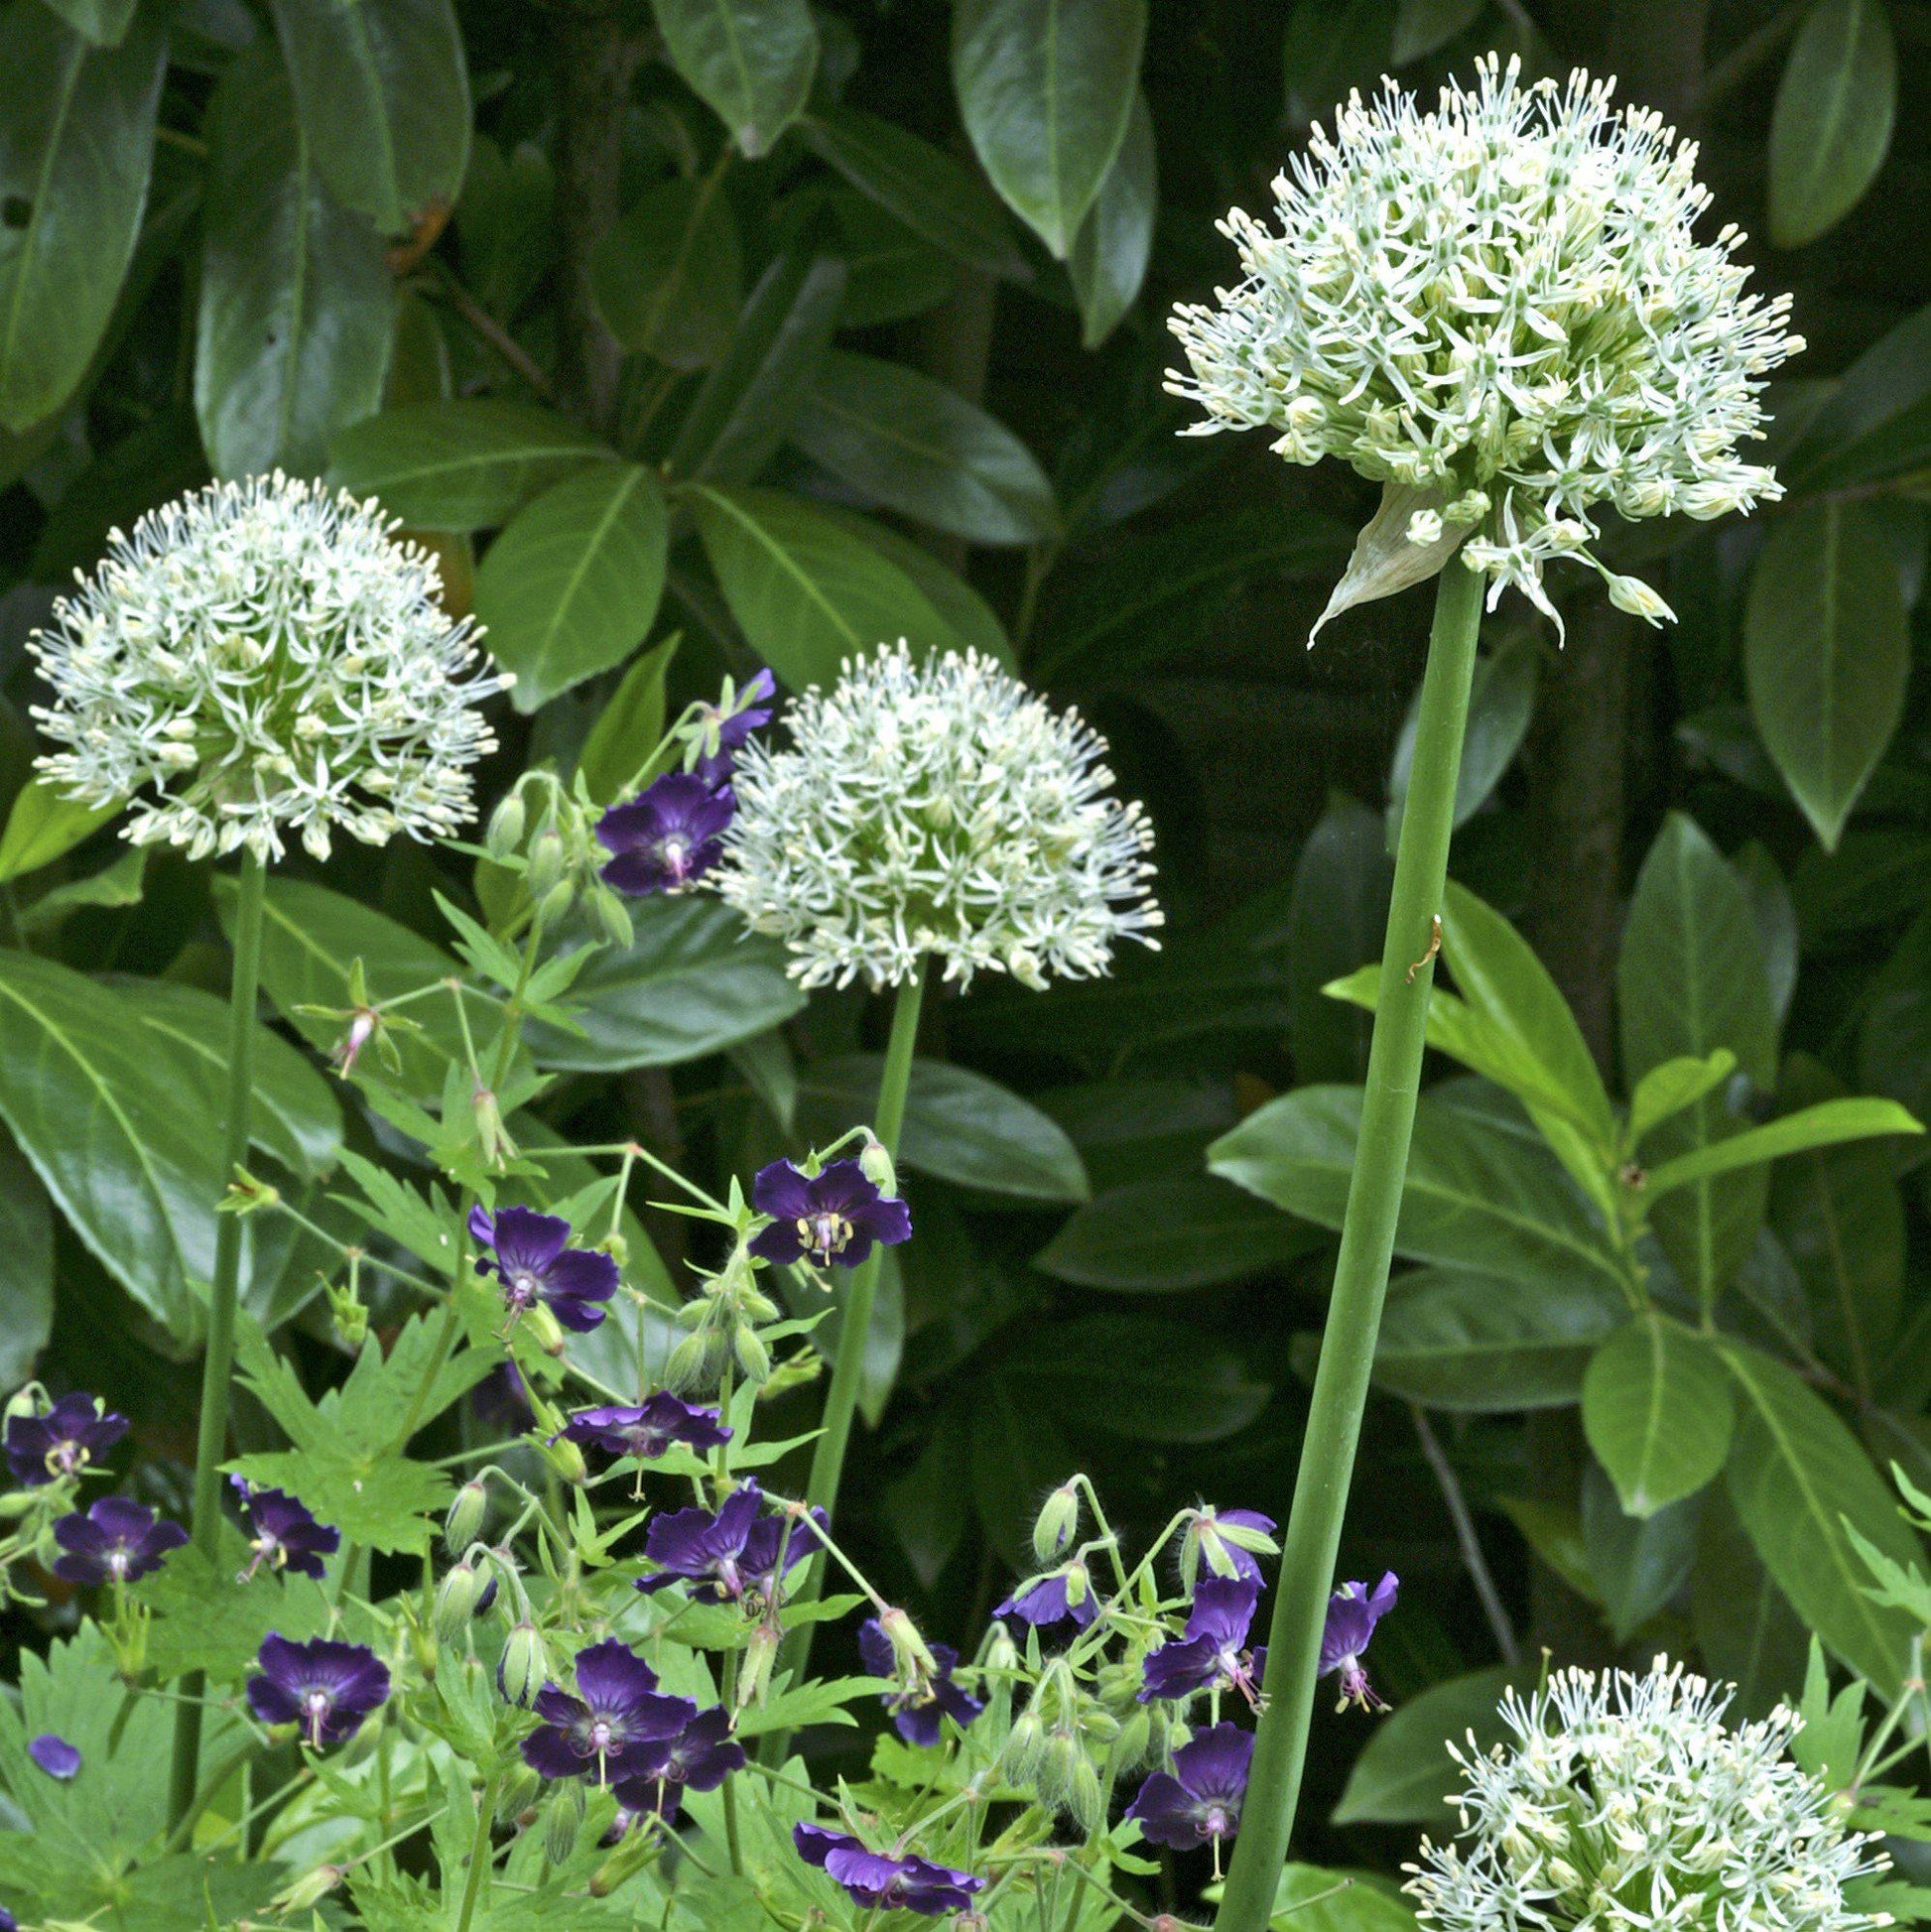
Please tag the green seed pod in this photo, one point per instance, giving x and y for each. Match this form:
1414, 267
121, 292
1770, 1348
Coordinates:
1059, 1763
543, 1326
563, 1820
506, 827
546, 863
685, 1367
753, 1358
613, 915
526, 1663
457, 1598
754, 1672
1057, 1523
463, 1524
1025, 1744
1085, 1800
554, 907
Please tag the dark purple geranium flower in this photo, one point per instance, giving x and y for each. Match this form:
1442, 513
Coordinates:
116, 1541
8, 1923
649, 1429
1050, 1600
667, 839
916, 1713
325, 1687
63, 1441
833, 1216
698, 1758
528, 1255
730, 1555
285, 1536
55, 1755
605, 1730
1225, 1557
873, 1878
751, 708
1214, 1649
1352, 1613
1199, 1801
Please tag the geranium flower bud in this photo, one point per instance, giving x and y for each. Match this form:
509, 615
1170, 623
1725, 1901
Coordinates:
544, 1329
1057, 1524
545, 865
1059, 1764
911, 1658
563, 1820
526, 1663
688, 1363
1084, 1799
1025, 1744
753, 1358
465, 1521
457, 1598
875, 1164
754, 1667
554, 907
506, 826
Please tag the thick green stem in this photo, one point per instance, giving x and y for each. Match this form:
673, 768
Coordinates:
479, 1853
218, 1364
842, 1400
1361, 1271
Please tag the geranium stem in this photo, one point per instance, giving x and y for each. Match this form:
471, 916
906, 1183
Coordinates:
1362, 1272
847, 1370
217, 1363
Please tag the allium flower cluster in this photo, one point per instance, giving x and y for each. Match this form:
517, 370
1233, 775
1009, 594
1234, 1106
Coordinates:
265, 656
936, 807
1500, 306
1623, 1798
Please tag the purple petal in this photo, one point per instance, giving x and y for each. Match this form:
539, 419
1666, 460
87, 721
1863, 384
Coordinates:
55, 1755
1165, 1811
1214, 1763
875, 1650
841, 1188
1179, 1669
779, 1244
523, 1238
782, 1190
1224, 1610
611, 1677
548, 1754
583, 1273
814, 1844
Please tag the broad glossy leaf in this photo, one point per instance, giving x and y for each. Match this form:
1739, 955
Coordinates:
77, 142
1476, 1196
116, 1121
44, 824
691, 984
1137, 1376
1672, 1084
1484, 1345
503, 221
571, 585
805, 591
629, 727
1336, 921
1796, 1474
1110, 252
669, 277
748, 401
1046, 89
26, 1265
1657, 1411
1830, 127
1690, 979
1501, 705
1156, 1236
958, 1127
924, 187
384, 92
1330, 46
1839, 1215
751, 62
297, 306
923, 450
1638, 1563
295, 1118
1877, 422
311, 936
1826, 1124
1826, 653
1405, 1775
890, 271
972, 622
466, 465
160, 460
1744, 1627
1141, 1130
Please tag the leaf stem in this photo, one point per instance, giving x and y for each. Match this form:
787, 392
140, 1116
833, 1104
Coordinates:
218, 1364
479, 1857
1361, 1271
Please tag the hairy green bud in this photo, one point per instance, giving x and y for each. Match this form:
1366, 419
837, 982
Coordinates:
564, 1819
546, 863
1085, 1800
1057, 1523
463, 1524
526, 1663
753, 1358
506, 826
457, 1598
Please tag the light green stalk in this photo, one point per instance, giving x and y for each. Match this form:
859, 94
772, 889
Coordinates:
1361, 1271
842, 1400
218, 1364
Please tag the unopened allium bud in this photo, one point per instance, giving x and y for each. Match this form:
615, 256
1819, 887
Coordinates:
465, 1521
1632, 594
526, 1663
1057, 1524
837, 847
263, 657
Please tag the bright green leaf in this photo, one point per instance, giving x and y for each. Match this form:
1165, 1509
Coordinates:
1657, 1411
1405, 1775
629, 727
1822, 1126
751, 62
44, 824
1110, 252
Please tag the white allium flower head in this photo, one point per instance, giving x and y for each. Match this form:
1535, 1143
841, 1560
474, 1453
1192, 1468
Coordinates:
936, 807
264, 655
1625, 1801
1500, 308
